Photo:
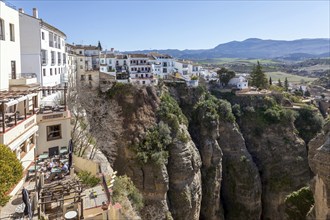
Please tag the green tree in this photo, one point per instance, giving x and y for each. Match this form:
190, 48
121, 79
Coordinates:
307, 93
270, 81
286, 84
258, 77
280, 83
11, 171
225, 75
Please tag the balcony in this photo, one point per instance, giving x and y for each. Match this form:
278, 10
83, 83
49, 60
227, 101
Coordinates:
140, 64
49, 113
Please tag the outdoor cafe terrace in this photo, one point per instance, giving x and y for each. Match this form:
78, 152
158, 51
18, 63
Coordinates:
18, 106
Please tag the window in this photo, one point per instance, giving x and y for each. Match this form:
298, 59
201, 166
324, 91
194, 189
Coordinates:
44, 72
82, 77
13, 69
89, 77
64, 58
22, 150
55, 71
59, 42
59, 70
53, 132
81, 67
44, 57
51, 39
2, 29
59, 61
53, 57
80, 52
55, 40
43, 35
51, 71
12, 32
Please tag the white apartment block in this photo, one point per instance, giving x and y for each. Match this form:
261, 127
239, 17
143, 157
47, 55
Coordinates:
43, 53
10, 60
163, 64
140, 69
187, 68
71, 75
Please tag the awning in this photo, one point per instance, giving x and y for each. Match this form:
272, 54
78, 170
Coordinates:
19, 140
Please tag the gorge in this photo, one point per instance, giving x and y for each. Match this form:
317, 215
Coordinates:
196, 153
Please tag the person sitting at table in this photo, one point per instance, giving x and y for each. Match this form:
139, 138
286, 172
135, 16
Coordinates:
64, 168
50, 165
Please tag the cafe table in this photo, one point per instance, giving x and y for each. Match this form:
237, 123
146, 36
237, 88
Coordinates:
43, 156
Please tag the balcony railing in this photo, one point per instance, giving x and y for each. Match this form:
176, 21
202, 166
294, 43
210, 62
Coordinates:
140, 64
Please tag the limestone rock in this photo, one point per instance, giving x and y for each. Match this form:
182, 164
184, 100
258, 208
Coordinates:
185, 192
241, 184
319, 160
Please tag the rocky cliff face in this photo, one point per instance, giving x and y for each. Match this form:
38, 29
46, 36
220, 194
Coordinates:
192, 160
230, 179
170, 186
278, 152
319, 160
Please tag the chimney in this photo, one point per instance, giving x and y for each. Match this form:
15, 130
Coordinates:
21, 10
35, 12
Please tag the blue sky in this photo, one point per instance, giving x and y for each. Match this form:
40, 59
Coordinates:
133, 25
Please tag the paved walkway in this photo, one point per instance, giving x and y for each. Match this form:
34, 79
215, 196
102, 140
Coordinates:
9, 210
92, 201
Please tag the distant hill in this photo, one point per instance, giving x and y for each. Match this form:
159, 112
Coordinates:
257, 48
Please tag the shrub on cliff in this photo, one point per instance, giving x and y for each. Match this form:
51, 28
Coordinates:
153, 148
309, 122
11, 171
298, 203
170, 112
212, 109
123, 188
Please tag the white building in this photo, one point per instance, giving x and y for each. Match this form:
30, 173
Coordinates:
10, 61
140, 69
240, 82
70, 76
187, 68
163, 64
43, 52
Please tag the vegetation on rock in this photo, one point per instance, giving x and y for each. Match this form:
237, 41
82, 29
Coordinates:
154, 145
170, 112
298, 203
124, 188
308, 123
214, 109
11, 171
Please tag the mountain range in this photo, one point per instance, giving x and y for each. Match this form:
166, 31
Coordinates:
256, 48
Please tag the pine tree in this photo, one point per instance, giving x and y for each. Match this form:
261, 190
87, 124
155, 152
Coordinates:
307, 93
258, 77
286, 84
270, 81
280, 83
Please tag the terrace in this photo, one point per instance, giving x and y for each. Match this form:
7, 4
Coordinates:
17, 107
